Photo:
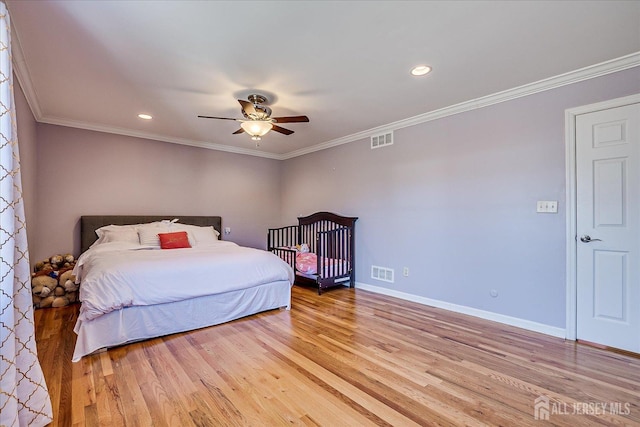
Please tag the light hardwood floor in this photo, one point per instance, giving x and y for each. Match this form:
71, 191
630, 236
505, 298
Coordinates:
345, 358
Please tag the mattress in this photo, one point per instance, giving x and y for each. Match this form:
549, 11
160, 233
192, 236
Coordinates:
307, 265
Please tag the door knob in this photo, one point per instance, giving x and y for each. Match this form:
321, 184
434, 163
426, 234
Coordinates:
586, 239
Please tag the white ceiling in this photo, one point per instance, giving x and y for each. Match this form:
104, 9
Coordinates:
97, 64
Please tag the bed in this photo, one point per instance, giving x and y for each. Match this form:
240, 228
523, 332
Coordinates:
320, 249
131, 291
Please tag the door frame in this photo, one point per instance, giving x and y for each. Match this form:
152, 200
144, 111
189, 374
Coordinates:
571, 327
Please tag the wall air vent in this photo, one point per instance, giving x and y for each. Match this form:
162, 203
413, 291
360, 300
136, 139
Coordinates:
382, 140
382, 273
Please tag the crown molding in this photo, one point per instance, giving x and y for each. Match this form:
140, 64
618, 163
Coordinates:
21, 72
586, 73
156, 137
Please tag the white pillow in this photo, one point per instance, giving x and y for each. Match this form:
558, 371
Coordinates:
129, 235
148, 234
102, 231
201, 235
123, 233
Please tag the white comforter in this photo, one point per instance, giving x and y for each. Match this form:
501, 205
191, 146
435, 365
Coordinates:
120, 274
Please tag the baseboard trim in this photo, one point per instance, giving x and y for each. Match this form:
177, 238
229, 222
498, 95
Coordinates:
483, 314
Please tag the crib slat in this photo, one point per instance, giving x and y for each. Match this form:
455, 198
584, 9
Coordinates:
334, 253
339, 256
280, 240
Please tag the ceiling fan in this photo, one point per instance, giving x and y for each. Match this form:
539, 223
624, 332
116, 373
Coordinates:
257, 118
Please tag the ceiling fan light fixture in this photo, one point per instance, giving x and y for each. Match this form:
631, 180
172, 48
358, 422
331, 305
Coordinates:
257, 119
256, 128
420, 70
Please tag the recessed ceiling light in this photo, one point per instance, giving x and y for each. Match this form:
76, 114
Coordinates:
145, 116
420, 70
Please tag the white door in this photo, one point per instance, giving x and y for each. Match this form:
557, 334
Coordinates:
608, 227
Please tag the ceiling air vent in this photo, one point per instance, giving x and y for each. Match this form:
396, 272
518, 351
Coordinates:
382, 273
382, 140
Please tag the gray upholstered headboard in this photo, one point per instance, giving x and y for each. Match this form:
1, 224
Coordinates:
90, 223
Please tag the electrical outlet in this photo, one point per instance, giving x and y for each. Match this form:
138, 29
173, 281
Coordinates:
227, 230
405, 272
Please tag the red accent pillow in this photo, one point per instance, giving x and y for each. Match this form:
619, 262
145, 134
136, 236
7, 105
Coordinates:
176, 240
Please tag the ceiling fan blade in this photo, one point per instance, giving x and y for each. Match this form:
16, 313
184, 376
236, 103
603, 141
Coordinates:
281, 130
291, 119
247, 107
219, 118
238, 131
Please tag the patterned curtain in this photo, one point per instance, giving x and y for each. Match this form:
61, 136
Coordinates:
24, 398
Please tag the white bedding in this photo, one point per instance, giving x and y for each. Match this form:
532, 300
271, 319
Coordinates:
137, 323
120, 274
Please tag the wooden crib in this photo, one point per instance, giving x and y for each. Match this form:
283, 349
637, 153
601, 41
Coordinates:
330, 237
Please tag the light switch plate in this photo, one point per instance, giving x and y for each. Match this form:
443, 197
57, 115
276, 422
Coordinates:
547, 206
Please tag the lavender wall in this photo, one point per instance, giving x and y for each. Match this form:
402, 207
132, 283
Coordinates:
83, 172
454, 200
27, 144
